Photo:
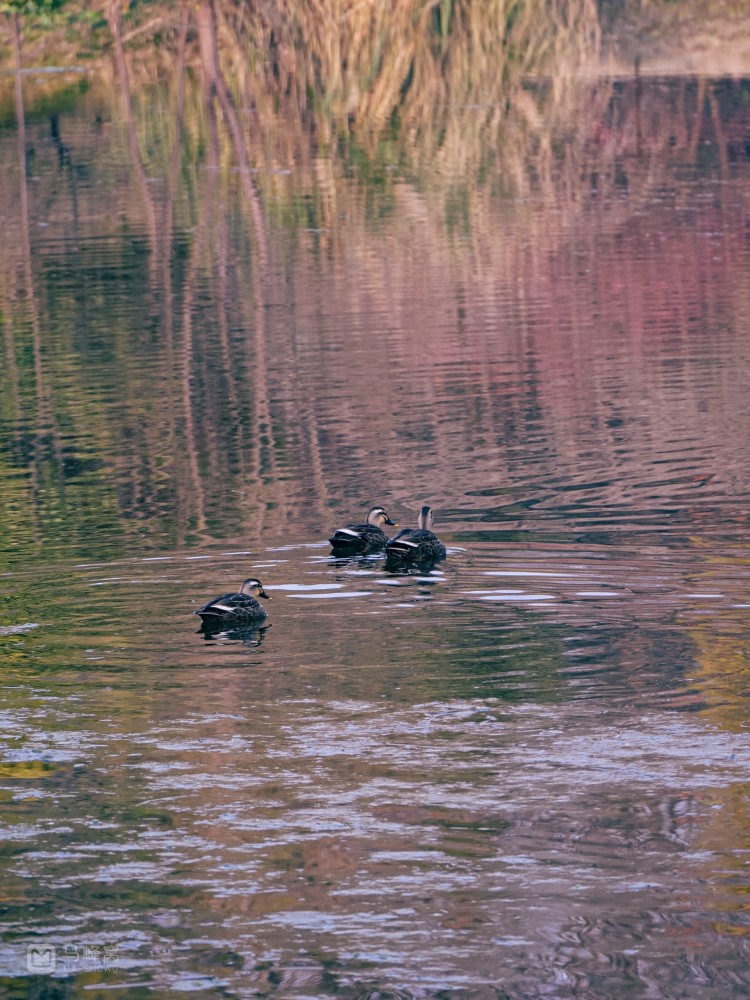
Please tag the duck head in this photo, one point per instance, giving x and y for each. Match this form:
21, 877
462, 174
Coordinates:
426, 518
254, 588
377, 515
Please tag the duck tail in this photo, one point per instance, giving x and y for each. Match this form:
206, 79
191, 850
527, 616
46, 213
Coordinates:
345, 538
215, 610
401, 546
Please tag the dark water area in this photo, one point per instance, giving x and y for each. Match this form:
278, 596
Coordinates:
523, 774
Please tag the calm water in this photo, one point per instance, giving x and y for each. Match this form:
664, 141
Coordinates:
523, 775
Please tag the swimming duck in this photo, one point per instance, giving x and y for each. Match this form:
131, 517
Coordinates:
236, 609
361, 539
415, 546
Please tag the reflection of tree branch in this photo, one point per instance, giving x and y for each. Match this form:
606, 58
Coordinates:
696, 135
186, 373
196, 495
66, 165
174, 160
209, 53
25, 236
168, 227
222, 254
45, 415
115, 25
215, 84
212, 175
721, 143
10, 365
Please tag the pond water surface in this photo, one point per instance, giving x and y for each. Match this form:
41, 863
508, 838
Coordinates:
524, 774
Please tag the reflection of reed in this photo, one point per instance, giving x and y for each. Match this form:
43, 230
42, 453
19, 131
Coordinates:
195, 498
214, 84
215, 79
10, 344
429, 83
25, 237
168, 228
11, 367
113, 16
235, 437
45, 418
460, 272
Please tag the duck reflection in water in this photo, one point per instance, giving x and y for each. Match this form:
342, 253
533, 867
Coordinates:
362, 539
248, 635
415, 550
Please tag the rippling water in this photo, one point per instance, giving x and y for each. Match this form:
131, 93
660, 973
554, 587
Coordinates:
523, 774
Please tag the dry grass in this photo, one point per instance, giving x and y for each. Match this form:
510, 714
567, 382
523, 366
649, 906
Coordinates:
438, 75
